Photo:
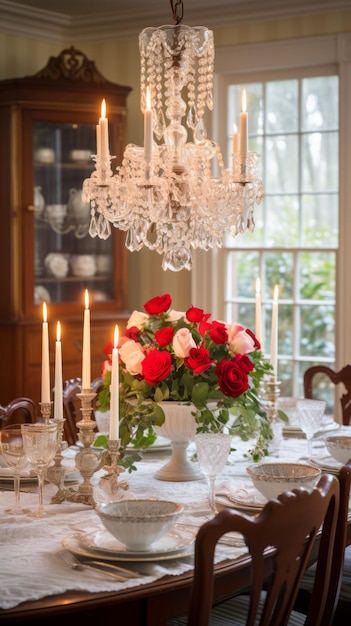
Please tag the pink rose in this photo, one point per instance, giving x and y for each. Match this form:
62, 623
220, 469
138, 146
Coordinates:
239, 340
183, 342
132, 355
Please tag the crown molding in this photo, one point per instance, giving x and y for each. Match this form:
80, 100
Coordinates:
19, 19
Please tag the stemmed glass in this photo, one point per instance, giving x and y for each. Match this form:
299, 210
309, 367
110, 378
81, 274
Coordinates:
12, 450
212, 454
40, 445
311, 414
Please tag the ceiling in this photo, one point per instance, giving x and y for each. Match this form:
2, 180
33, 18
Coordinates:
95, 18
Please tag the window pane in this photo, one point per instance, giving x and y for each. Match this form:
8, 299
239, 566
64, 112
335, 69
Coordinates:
282, 226
320, 220
281, 157
317, 331
320, 103
317, 276
282, 106
319, 162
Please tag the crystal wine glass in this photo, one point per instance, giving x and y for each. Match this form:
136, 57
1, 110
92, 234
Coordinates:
12, 450
40, 444
311, 414
212, 454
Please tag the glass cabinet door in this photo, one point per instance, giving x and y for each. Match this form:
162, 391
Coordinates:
66, 258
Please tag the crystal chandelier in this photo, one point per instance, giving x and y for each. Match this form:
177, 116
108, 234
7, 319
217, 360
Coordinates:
165, 194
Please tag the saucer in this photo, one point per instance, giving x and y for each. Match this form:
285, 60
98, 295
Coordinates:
173, 545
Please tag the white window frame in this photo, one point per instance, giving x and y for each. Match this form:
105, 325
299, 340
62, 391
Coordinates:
331, 54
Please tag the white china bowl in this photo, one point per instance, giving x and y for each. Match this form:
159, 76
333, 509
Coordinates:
271, 479
339, 447
139, 523
83, 265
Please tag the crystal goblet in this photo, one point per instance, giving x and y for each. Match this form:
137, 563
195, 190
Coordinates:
212, 454
12, 450
40, 445
311, 414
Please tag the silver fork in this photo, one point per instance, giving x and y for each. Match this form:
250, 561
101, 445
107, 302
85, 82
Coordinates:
98, 566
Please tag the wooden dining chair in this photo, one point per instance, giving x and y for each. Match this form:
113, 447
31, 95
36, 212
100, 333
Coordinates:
18, 411
343, 376
286, 528
338, 601
72, 406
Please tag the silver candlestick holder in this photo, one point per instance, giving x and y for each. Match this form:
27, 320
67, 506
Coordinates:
87, 460
109, 485
268, 395
55, 474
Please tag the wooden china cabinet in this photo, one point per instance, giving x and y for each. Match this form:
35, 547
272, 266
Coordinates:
48, 134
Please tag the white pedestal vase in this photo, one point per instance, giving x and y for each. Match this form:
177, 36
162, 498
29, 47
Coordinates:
179, 427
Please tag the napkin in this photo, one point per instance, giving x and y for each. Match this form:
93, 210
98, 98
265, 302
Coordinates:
241, 492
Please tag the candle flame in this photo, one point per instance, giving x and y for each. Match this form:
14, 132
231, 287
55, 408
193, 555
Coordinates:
58, 331
115, 343
243, 101
86, 299
258, 286
148, 98
103, 108
235, 128
45, 312
276, 293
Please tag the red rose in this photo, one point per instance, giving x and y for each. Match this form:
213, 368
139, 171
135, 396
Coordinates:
164, 336
204, 325
108, 347
132, 333
218, 333
157, 305
194, 314
156, 366
256, 342
244, 362
232, 379
198, 360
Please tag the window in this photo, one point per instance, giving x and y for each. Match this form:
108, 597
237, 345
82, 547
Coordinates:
299, 102
293, 123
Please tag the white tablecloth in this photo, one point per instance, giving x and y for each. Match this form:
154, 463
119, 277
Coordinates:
31, 567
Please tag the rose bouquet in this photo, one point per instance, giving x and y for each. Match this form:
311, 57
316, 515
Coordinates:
187, 357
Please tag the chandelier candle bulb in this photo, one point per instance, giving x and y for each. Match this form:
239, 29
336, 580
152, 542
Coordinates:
45, 363
86, 365
243, 127
58, 401
235, 144
259, 312
148, 128
274, 331
103, 123
98, 140
114, 391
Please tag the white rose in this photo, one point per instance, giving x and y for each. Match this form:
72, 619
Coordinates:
132, 356
174, 316
137, 319
183, 342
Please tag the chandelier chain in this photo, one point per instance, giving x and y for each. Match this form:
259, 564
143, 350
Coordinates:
178, 13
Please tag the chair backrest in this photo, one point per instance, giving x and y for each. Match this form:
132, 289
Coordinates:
18, 411
290, 524
72, 406
339, 546
343, 376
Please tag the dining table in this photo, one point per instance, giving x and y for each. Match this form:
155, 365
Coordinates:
37, 584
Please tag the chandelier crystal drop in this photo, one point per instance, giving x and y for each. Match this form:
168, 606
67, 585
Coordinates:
165, 194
